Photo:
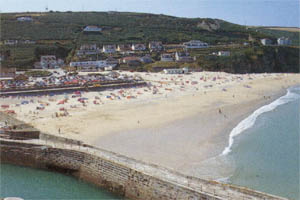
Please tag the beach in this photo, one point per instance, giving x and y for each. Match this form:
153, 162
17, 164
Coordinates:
177, 121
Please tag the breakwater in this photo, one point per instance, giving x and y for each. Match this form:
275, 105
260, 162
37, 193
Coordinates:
124, 176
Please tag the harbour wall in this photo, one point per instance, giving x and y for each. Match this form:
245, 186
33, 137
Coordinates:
119, 174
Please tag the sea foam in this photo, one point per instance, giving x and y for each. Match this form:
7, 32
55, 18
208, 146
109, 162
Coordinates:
250, 121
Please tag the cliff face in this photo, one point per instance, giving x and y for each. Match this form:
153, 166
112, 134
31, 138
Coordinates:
256, 60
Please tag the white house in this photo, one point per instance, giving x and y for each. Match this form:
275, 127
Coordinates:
176, 71
224, 53
155, 46
284, 41
109, 48
266, 41
92, 29
108, 68
166, 57
25, 19
138, 47
194, 44
183, 57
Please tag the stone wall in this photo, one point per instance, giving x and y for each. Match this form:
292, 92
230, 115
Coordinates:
119, 174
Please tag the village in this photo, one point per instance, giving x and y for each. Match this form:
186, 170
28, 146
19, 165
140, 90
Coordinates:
166, 58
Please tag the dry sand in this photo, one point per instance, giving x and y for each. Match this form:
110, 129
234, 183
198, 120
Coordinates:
180, 127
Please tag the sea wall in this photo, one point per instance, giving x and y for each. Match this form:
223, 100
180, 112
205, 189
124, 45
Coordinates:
121, 175
116, 178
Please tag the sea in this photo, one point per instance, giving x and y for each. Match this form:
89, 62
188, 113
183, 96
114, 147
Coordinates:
264, 148
29, 184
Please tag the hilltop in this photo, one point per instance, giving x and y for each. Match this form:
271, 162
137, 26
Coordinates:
120, 27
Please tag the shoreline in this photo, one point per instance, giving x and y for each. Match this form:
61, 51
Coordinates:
127, 143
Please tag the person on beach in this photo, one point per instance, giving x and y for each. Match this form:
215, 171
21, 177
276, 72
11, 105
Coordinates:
58, 130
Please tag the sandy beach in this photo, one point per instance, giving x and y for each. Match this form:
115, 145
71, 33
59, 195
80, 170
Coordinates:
178, 121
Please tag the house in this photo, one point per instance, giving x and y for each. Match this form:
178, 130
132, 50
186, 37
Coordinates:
138, 47
176, 71
131, 58
109, 48
50, 62
194, 44
10, 42
183, 57
155, 46
266, 41
132, 61
92, 29
25, 19
284, 41
166, 57
112, 61
124, 47
7, 72
88, 49
108, 68
146, 59
224, 53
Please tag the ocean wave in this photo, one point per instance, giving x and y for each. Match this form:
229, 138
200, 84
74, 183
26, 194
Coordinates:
250, 121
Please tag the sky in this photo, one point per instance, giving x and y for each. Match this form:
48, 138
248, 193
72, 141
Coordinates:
244, 12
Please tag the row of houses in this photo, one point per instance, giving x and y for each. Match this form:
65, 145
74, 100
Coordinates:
154, 46
280, 41
91, 49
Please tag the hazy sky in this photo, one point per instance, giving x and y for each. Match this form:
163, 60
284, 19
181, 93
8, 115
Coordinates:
245, 12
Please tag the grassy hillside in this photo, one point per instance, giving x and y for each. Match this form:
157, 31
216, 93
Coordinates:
120, 28
60, 33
